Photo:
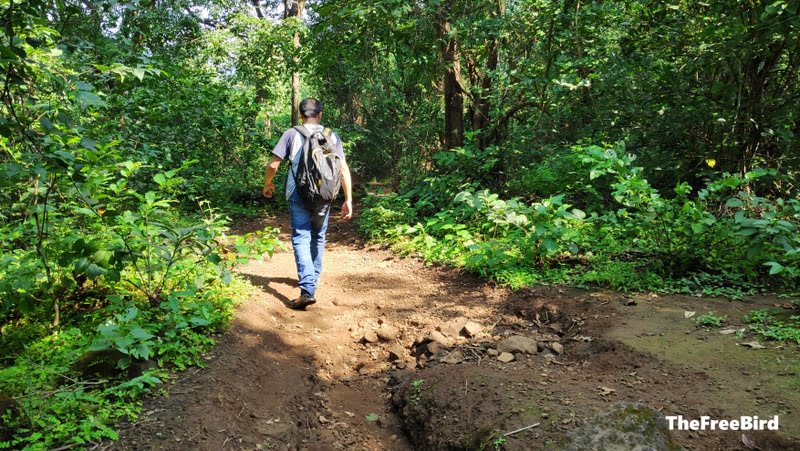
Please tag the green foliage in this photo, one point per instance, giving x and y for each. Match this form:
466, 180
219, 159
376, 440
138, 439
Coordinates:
383, 214
710, 242
725, 284
777, 326
415, 392
120, 146
65, 403
709, 320
58, 408
693, 214
621, 275
722, 226
493, 440
680, 83
559, 171
165, 313
128, 130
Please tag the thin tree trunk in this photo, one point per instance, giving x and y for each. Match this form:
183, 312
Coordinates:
758, 72
294, 8
295, 91
453, 96
483, 104
355, 108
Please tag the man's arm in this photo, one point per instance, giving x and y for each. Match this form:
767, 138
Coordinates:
347, 207
272, 168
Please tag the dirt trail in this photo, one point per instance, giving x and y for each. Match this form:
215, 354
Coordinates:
277, 371
280, 379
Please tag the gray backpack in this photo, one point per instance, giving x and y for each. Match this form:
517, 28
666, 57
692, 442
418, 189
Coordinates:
317, 176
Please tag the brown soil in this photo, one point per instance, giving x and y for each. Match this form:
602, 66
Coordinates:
281, 379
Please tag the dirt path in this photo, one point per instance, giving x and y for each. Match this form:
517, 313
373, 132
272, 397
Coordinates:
281, 379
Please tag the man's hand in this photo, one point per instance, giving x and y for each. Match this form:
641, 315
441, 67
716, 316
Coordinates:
347, 209
269, 188
269, 174
347, 185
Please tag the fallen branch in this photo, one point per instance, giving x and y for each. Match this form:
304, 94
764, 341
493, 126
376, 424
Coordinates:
558, 363
521, 429
62, 390
185, 392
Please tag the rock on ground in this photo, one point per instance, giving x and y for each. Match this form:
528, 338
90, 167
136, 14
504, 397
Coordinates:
453, 327
453, 358
506, 357
623, 427
434, 347
471, 329
370, 337
517, 343
387, 332
437, 337
396, 352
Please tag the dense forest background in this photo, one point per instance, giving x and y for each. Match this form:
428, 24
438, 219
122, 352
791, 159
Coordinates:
633, 144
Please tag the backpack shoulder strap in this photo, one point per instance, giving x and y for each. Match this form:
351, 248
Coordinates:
305, 134
302, 130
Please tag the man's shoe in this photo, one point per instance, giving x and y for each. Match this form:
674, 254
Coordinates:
302, 302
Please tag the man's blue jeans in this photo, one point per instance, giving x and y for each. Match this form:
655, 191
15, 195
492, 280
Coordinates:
308, 241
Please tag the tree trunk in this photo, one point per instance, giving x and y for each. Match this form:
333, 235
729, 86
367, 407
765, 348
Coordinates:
754, 105
355, 109
483, 105
294, 8
453, 96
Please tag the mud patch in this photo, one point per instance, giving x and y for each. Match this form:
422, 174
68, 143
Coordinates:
464, 407
624, 426
763, 382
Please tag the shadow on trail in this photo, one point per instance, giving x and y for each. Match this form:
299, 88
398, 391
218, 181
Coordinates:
264, 284
272, 382
256, 391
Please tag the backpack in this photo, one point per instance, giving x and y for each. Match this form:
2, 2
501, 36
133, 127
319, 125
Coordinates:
317, 176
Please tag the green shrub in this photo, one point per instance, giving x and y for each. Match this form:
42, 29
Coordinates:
777, 326
383, 214
709, 320
717, 241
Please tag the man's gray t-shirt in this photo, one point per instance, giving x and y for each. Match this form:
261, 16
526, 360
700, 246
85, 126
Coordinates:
291, 145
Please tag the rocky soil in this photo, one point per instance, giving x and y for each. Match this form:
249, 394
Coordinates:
397, 355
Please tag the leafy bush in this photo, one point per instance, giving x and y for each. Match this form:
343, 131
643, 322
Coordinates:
725, 228
709, 320
560, 171
719, 240
70, 395
382, 214
778, 326
113, 270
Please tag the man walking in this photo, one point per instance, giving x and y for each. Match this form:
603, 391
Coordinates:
309, 224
